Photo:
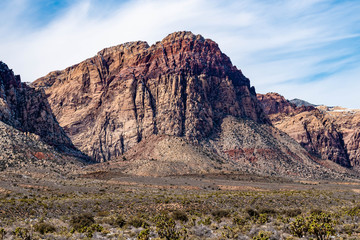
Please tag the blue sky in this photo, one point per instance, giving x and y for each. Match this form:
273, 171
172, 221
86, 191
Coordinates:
305, 49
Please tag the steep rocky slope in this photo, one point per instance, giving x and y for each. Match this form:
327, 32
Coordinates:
330, 133
28, 154
27, 110
30, 136
176, 107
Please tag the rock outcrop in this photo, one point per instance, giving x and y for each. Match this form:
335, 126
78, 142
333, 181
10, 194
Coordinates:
329, 133
30, 136
182, 86
27, 110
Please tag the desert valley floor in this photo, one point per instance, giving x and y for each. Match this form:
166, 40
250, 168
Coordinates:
234, 206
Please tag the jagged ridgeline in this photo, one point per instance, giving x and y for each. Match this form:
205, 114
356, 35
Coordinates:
176, 107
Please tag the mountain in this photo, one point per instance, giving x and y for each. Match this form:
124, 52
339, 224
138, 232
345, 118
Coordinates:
299, 103
28, 129
327, 132
176, 107
182, 86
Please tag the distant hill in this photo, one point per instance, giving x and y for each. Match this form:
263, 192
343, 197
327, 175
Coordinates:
299, 103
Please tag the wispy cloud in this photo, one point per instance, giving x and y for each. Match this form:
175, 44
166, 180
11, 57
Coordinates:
306, 49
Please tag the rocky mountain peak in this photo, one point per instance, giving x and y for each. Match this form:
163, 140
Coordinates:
7, 77
182, 86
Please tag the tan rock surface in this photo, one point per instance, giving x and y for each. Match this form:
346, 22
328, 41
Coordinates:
330, 133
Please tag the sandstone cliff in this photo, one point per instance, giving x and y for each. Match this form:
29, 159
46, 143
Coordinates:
330, 133
182, 86
30, 136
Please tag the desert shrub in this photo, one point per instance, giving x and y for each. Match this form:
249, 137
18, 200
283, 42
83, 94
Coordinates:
144, 234
81, 221
230, 232
321, 225
238, 220
22, 233
355, 211
166, 227
252, 213
299, 226
2, 233
349, 228
268, 211
220, 213
180, 216
138, 222
119, 221
262, 236
318, 224
315, 211
292, 212
91, 229
263, 218
206, 221
43, 228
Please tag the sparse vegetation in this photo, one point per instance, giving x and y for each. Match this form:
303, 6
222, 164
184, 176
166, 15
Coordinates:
43, 228
154, 212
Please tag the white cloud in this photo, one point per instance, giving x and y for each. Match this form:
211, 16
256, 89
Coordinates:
279, 45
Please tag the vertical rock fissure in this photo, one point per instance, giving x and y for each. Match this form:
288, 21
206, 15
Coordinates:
133, 92
183, 84
309, 137
152, 102
342, 144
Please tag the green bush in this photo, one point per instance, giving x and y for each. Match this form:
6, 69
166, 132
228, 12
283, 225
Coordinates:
119, 221
252, 213
318, 224
2, 233
355, 211
43, 228
138, 222
239, 221
221, 213
263, 218
292, 212
321, 225
144, 234
262, 236
81, 221
166, 227
299, 227
22, 233
91, 229
180, 216
268, 211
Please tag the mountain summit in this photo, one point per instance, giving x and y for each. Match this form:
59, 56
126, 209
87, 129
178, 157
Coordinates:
182, 86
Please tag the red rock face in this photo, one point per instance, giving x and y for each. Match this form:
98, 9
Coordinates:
324, 133
274, 103
182, 86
